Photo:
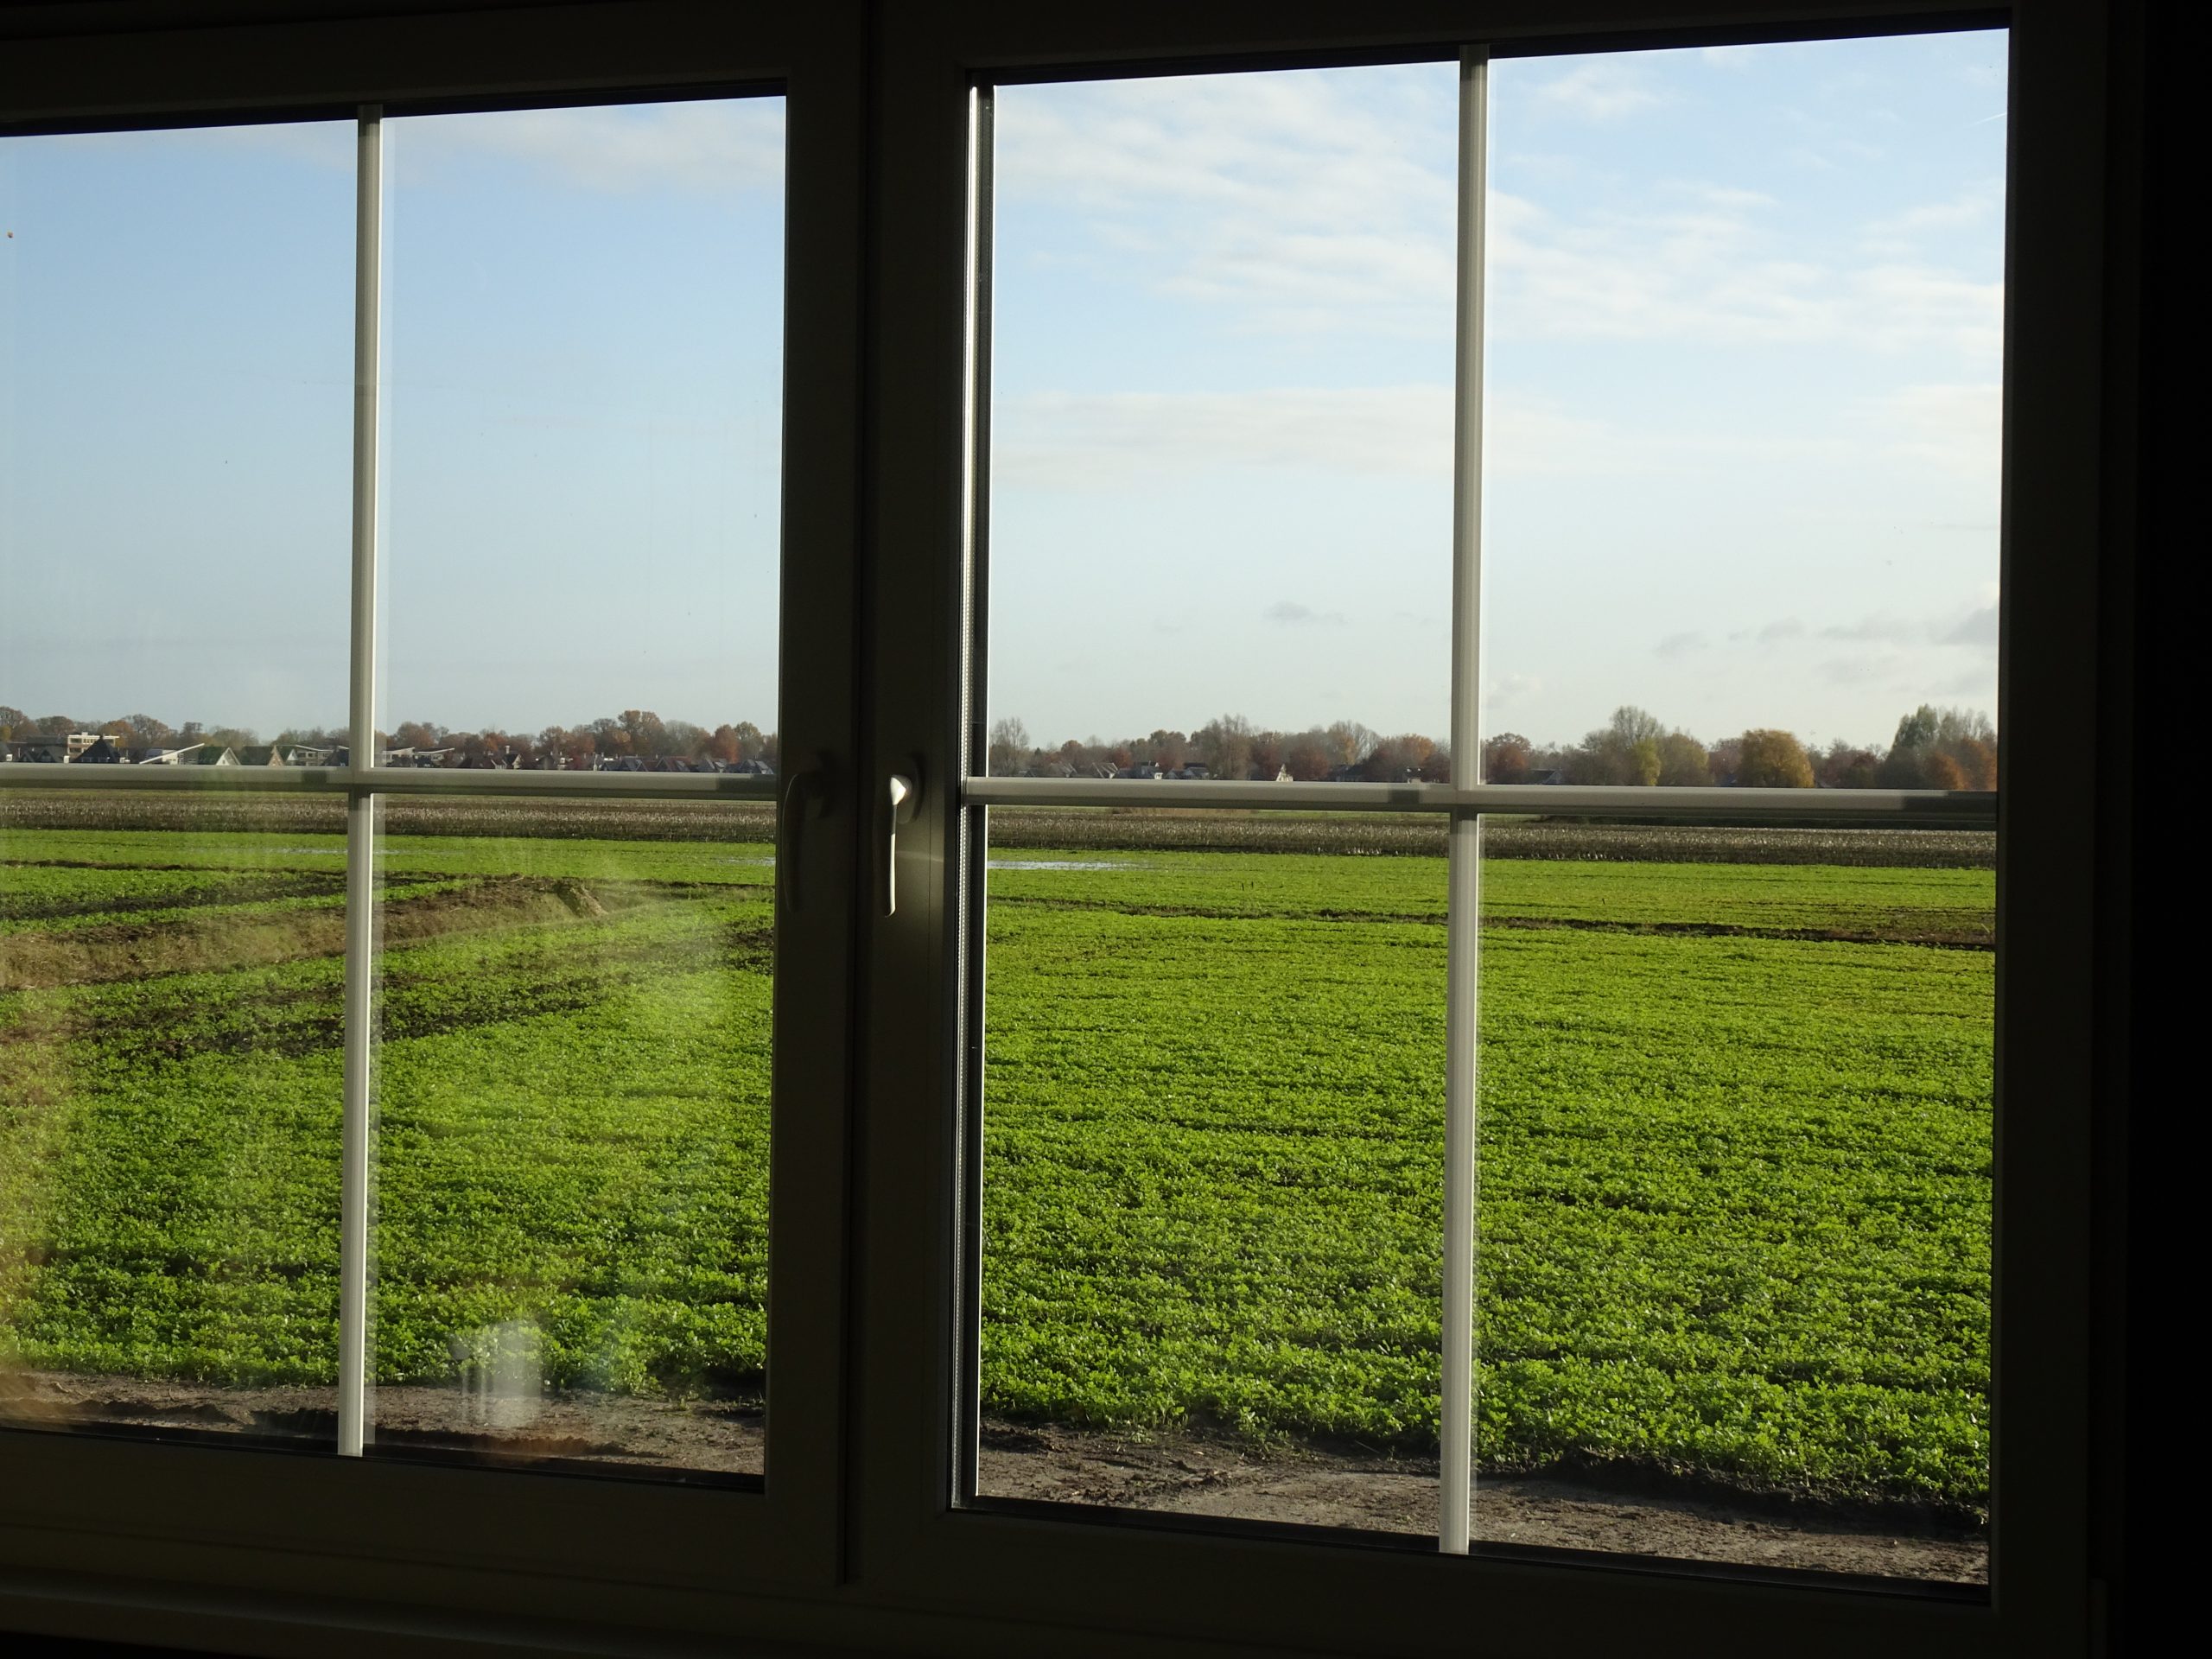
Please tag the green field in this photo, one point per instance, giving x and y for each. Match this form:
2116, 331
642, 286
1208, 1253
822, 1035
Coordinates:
1735, 1151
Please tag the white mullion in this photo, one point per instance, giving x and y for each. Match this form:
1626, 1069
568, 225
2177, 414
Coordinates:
360, 803
1464, 909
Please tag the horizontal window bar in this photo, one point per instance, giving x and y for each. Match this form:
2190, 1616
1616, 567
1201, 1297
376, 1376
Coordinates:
394, 780
1976, 808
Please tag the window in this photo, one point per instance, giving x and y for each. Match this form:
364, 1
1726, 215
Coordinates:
891, 1062
1729, 1082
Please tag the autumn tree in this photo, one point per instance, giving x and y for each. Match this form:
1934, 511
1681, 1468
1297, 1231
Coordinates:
1224, 743
1771, 759
1683, 762
1626, 750
1846, 766
1309, 756
1350, 742
1009, 747
1394, 759
1506, 759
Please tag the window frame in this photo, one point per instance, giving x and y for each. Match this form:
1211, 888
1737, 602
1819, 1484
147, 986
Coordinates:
857, 1537
1225, 1579
349, 1524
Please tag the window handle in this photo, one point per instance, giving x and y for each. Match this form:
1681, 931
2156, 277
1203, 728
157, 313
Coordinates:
814, 787
904, 796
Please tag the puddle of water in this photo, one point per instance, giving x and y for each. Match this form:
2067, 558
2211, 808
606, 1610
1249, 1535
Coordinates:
1064, 864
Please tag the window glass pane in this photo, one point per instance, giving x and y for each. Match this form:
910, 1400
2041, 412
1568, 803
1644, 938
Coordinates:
583, 379
1743, 352
1745, 331
573, 1074
1221, 422
1212, 1171
581, 546
176, 329
1734, 1268
171, 1061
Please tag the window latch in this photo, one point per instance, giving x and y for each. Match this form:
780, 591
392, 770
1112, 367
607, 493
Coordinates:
905, 795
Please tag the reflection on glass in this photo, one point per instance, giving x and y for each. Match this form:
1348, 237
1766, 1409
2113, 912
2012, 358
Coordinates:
571, 1159
1221, 422
1735, 1212
583, 326
176, 326
1212, 1187
1744, 374
170, 1094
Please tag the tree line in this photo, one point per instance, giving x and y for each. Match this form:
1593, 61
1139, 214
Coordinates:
638, 732
1932, 748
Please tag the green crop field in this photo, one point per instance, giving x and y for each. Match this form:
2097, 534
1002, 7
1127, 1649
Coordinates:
1735, 1150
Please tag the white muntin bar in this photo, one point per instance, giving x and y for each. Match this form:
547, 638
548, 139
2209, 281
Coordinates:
1955, 808
360, 804
1464, 910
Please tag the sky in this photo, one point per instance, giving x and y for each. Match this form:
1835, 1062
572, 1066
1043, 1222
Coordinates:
1743, 363
582, 375
1743, 336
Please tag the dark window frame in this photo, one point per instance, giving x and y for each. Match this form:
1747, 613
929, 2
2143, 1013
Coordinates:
857, 1537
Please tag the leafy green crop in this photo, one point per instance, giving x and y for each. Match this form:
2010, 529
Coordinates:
1735, 1143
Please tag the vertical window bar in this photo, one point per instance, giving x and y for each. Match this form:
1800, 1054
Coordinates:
360, 803
1465, 910
970, 823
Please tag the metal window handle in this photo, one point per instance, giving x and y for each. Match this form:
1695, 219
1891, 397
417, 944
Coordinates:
811, 786
905, 795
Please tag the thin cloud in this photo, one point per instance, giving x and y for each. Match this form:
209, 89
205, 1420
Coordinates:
1065, 440
1599, 92
1955, 428
711, 145
1687, 644
1290, 613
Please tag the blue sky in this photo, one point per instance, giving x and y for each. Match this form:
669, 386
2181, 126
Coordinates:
1744, 320
582, 370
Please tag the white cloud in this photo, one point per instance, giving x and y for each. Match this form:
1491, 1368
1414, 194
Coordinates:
713, 145
1290, 613
1602, 91
1955, 428
1068, 440
1062, 440
1292, 201
1714, 275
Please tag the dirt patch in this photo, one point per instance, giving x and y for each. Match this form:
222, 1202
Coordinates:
1188, 1474
210, 940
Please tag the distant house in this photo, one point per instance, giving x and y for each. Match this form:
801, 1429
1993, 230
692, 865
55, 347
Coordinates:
1553, 775
755, 768
1282, 775
101, 752
177, 757
213, 755
260, 755
32, 751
